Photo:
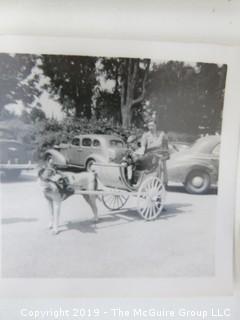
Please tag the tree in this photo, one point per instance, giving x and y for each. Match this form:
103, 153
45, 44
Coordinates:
212, 79
130, 78
133, 86
108, 106
187, 97
16, 79
72, 82
35, 115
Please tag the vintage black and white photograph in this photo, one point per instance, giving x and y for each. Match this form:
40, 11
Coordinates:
109, 166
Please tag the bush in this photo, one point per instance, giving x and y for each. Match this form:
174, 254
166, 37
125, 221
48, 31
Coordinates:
51, 132
46, 133
181, 137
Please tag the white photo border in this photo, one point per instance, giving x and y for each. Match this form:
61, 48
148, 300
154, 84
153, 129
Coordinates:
222, 282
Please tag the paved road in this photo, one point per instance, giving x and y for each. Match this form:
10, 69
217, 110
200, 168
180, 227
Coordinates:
179, 243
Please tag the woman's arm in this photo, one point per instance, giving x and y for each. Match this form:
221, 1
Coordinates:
144, 143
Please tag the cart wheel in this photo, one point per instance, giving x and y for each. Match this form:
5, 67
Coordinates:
150, 198
114, 202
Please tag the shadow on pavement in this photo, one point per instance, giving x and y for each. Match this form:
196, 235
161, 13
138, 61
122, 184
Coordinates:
180, 189
124, 216
132, 215
119, 217
128, 214
16, 220
88, 226
113, 218
174, 209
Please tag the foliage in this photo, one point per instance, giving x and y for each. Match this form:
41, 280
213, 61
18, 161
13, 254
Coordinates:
33, 115
76, 83
6, 114
51, 132
187, 98
183, 97
108, 106
72, 82
110, 95
15, 81
130, 79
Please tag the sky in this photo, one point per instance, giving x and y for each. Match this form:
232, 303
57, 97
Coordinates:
51, 107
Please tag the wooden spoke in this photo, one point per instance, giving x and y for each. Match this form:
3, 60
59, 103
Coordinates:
151, 195
114, 202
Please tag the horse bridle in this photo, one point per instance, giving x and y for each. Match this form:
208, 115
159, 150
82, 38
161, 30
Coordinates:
50, 172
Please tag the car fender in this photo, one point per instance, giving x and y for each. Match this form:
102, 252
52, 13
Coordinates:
199, 166
179, 170
58, 158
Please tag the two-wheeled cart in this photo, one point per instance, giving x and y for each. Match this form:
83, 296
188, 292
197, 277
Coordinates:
115, 187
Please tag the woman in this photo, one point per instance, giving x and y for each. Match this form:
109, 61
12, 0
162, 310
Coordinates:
155, 144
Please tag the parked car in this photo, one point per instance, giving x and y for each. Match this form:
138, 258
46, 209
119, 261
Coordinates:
84, 150
15, 157
178, 146
197, 167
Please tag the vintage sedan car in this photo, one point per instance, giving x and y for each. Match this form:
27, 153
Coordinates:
84, 150
15, 157
178, 146
197, 167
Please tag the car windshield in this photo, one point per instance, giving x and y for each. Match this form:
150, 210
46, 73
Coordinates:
116, 143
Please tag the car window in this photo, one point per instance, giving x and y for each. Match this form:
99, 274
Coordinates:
96, 143
216, 150
116, 143
86, 142
76, 142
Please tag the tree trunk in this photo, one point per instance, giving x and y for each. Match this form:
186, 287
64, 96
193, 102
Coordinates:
129, 81
126, 116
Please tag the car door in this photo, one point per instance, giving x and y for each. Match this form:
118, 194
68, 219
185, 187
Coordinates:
75, 151
86, 149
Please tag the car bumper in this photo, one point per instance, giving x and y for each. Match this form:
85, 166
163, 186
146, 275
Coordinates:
24, 166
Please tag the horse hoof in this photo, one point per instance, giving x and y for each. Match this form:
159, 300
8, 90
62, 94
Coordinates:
50, 226
55, 232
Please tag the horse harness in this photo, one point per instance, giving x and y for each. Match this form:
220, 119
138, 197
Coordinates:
59, 180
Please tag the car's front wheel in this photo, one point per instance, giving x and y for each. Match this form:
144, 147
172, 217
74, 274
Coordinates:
89, 164
197, 182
